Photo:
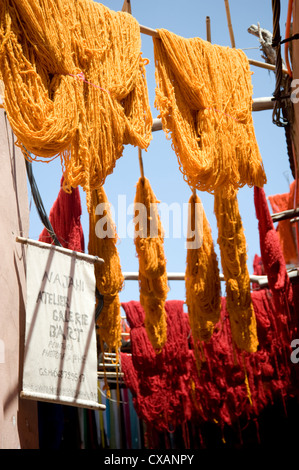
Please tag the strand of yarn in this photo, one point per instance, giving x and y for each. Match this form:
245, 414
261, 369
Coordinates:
233, 250
45, 45
149, 243
109, 279
202, 281
204, 96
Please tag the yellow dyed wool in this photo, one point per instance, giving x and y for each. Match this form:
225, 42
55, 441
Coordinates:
204, 96
233, 250
202, 281
149, 242
75, 85
109, 278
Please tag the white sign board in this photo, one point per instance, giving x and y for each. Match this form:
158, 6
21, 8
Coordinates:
60, 357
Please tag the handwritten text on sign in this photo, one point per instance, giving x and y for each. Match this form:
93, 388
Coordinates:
60, 361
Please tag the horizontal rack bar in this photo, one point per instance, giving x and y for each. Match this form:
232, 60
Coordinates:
105, 365
48, 246
285, 215
261, 280
133, 276
258, 104
256, 63
110, 374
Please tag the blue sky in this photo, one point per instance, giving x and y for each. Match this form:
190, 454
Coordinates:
187, 19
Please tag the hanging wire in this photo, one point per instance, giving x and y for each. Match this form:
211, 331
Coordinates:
46, 222
278, 97
39, 203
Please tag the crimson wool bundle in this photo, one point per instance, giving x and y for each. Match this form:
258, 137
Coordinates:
279, 203
65, 218
157, 382
232, 384
272, 255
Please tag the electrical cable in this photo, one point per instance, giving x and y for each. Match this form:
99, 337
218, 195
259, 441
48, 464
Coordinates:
277, 118
47, 224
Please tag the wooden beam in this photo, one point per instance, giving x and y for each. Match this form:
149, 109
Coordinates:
229, 23
256, 63
285, 215
259, 104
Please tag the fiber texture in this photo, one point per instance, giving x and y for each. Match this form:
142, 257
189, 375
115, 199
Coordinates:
236, 385
149, 243
272, 256
75, 84
109, 278
202, 281
233, 250
204, 95
233, 386
157, 382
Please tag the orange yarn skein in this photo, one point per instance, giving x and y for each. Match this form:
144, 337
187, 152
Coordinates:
204, 96
202, 280
233, 249
109, 278
75, 85
149, 243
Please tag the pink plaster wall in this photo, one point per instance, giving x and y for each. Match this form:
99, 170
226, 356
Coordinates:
18, 417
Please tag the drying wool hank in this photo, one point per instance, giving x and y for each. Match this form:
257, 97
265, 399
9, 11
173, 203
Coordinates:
149, 243
272, 255
279, 203
109, 278
221, 389
167, 389
157, 382
202, 281
233, 250
285, 295
44, 46
204, 96
65, 218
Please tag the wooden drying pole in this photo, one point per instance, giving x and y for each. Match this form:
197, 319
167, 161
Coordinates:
261, 280
141, 163
285, 215
229, 23
127, 6
256, 63
60, 249
258, 104
208, 29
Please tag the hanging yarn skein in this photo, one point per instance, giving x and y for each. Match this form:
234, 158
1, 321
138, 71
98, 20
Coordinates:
272, 255
204, 96
109, 278
149, 243
75, 85
202, 280
65, 218
233, 250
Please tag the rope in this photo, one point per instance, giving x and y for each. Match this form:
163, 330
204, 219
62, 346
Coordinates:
277, 117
